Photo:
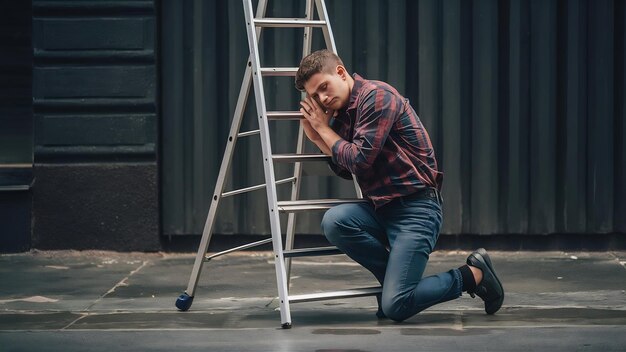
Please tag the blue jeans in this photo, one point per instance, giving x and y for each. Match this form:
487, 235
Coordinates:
409, 228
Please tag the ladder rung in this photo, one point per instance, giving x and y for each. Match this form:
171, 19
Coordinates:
288, 22
279, 71
293, 158
257, 187
14, 188
239, 248
292, 206
358, 292
311, 252
248, 133
284, 115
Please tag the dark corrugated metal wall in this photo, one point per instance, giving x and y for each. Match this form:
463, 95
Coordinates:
524, 101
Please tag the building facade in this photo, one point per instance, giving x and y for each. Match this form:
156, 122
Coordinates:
114, 116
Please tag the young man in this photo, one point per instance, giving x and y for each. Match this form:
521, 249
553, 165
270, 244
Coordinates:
371, 131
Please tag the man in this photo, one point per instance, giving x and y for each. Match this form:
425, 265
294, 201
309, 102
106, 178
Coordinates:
371, 131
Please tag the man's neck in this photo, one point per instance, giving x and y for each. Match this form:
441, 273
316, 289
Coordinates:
350, 83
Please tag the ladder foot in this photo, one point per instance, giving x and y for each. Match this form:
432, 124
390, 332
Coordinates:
286, 326
184, 301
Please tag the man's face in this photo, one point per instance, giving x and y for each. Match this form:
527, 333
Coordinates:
332, 91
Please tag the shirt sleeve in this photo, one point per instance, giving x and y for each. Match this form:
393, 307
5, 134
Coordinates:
375, 117
339, 171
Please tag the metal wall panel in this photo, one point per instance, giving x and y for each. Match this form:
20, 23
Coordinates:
16, 125
573, 105
620, 119
515, 204
600, 143
16, 88
524, 102
95, 97
95, 81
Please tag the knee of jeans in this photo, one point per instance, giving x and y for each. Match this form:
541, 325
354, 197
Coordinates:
394, 309
332, 224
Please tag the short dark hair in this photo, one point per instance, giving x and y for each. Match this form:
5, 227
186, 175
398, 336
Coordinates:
318, 61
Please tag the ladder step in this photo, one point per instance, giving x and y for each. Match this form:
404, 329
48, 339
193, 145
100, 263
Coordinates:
257, 187
239, 248
288, 22
248, 133
311, 252
358, 292
279, 71
292, 206
284, 115
294, 158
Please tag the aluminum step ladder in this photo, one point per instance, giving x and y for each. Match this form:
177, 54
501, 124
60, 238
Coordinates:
254, 74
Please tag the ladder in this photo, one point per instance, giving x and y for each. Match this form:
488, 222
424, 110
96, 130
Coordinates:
254, 74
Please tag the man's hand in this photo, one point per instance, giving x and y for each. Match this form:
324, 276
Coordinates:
316, 125
317, 116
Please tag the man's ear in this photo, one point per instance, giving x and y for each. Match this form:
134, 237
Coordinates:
341, 71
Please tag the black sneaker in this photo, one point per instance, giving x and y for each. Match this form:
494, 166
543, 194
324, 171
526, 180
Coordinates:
490, 289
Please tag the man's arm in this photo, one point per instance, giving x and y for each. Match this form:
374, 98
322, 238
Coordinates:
376, 114
319, 141
329, 137
319, 121
315, 137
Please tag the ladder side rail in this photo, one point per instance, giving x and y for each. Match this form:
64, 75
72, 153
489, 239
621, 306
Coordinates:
268, 165
207, 231
297, 172
357, 188
221, 183
308, 31
330, 44
327, 30
295, 194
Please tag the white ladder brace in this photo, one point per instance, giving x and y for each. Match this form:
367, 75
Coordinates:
254, 74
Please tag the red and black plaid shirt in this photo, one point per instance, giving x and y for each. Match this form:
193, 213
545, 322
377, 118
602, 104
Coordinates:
384, 144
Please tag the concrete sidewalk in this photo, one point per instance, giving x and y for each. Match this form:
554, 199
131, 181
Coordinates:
108, 301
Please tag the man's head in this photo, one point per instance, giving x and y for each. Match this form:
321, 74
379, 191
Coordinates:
322, 76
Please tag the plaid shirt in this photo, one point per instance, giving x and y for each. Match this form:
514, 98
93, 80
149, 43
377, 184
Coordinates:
383, 143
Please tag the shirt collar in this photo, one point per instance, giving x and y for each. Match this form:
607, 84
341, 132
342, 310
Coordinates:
354, 94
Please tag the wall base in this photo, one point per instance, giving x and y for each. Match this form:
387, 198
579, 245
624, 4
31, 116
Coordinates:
111, 206
15, 212
506, 242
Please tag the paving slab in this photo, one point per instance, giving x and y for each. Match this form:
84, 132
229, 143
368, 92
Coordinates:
397, 339
56, 300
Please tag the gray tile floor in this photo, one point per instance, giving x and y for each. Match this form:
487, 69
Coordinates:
107, 301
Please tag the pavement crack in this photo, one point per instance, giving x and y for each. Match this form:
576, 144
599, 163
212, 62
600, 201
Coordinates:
122, 282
